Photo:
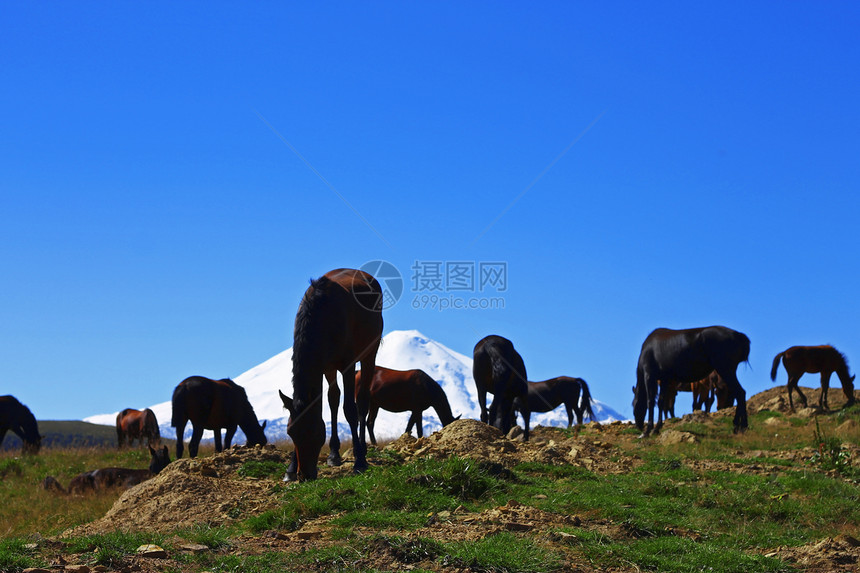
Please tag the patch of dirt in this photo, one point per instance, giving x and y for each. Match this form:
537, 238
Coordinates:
840, 553
210, 491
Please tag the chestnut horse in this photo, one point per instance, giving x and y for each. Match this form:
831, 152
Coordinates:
406, 391
550, 394
339, 323
825, 359
499, 369
17, 417
672, 356
134, 424
212, 405
105, 478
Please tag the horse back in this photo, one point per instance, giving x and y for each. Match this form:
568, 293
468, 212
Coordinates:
813, 359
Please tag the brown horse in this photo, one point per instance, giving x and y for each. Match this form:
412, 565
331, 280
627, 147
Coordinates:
106, 478
704, 393
825, 359
212, 405
17, 417
671, 356
550, 394
499, 369
134, 424
339, 323
405, 391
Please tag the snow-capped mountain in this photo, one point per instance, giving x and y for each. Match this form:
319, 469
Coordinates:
400, 350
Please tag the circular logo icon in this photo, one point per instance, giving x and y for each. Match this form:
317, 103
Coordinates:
389, 279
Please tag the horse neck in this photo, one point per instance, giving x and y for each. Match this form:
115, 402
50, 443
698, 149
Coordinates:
29, 426
441, 405
842, 371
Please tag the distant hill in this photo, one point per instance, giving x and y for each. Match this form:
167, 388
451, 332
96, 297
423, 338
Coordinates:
69, 434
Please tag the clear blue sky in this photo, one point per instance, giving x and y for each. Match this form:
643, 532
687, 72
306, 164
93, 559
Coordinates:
156, 222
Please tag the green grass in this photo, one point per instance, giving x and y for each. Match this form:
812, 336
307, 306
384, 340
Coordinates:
394, 496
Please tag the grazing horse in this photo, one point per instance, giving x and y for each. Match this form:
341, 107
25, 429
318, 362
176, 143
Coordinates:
405, 391
212, 405
134, 424
825, 359
17, 417
550, 394
499, 370
672, 356
703, 394
105, 478
339, 323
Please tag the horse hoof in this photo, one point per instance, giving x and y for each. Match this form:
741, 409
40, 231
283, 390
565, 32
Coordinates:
359, 468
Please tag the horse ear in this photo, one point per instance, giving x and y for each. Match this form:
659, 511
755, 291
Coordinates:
458, 417
151, 451
288, 402
263, 425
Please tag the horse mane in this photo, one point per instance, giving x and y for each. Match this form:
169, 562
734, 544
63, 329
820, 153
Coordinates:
307, 328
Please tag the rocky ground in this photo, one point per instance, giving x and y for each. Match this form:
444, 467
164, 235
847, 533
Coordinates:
210, 491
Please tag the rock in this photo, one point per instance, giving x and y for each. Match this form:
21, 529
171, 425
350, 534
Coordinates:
194, 548
774, 421
77, 569
668, 437
152, 551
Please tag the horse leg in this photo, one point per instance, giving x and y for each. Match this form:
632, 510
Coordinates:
371, 422
334, 458
180, 436
118, 438
730, 378
293, 468
229, 432
652, 388
825, 387
416, 419
794, 381
196, 436
350, 412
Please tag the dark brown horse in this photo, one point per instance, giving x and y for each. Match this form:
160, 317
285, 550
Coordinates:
825, 359
107, 478
134, 424
212, 405
672, 356
17, 417
499, 370
550, 394
339, 323
405, 391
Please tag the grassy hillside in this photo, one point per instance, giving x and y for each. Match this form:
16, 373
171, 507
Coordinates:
784, 496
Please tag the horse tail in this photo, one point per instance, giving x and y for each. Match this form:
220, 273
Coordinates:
178, 403
586, 397
776, 360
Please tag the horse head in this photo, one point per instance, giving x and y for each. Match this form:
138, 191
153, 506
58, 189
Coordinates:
160, 459
32, 445
308, 435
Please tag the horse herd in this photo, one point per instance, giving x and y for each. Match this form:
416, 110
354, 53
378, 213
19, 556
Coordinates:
339, 324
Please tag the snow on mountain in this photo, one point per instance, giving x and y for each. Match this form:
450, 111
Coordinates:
400, 350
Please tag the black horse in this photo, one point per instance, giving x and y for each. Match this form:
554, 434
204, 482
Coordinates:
550, 394
212, 405
499, 369
679, 356
17, 417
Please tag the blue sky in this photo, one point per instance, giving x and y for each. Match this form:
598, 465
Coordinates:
635, 165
